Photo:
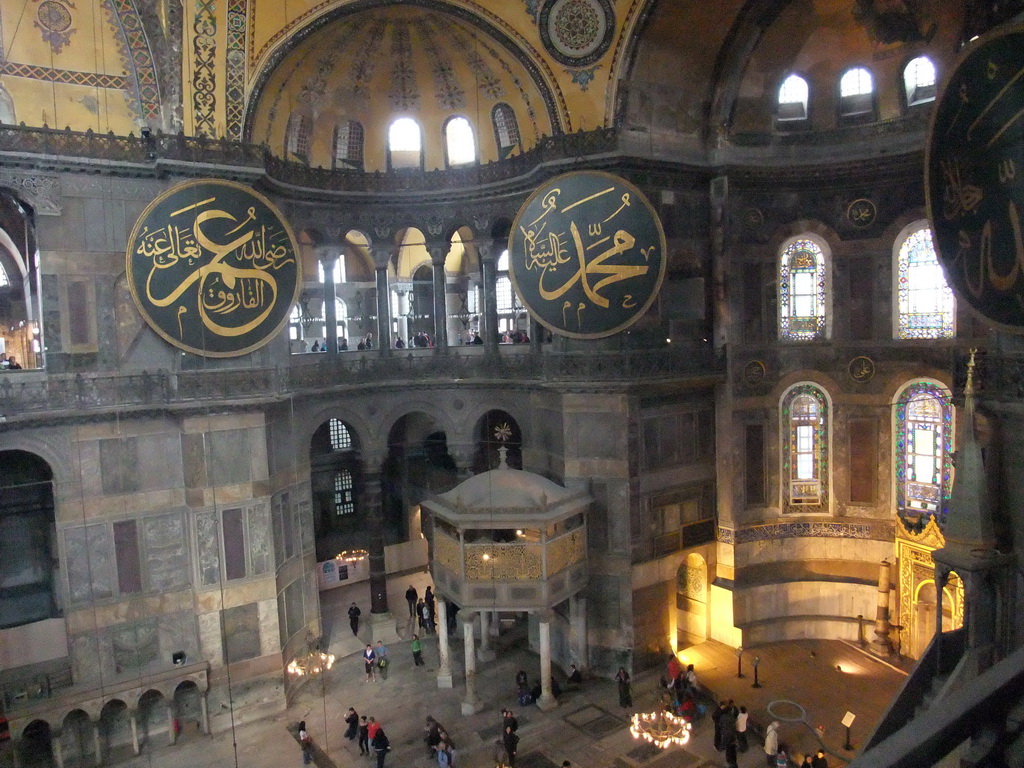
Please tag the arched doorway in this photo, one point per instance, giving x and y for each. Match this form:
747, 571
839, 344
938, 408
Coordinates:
496, 429
336, 478
188, 710
76, 740
116, 732
691, 601
36, 748
152, 718
923, 622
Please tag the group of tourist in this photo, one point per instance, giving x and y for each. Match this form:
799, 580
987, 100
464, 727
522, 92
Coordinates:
440, 746
371, 737
421, 341
9, 363
376, 659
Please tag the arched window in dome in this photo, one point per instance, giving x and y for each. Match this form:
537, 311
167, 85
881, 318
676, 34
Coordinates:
460, 144
926, 308
506, 129
793, 96
295, 325
405, 144
919, 81
923, 451
348, 145
4, 280
856, 93
802, 291
806, 421
299, 136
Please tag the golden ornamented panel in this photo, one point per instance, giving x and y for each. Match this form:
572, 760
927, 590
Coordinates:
446, 552
567, 550
917, 566
503, 562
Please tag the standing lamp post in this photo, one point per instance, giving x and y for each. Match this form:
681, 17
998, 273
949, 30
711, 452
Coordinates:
739, 663
756, 662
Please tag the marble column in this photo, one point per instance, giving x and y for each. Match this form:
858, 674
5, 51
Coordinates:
882, 643
444, 669
133, 716
16, 752
96, 744
471, 704
57, 748
437, 256
205, 706
485, 653
495, 624
578, 630
171, 735
489, 326
547, 700
381, 621
383, 340
328, 259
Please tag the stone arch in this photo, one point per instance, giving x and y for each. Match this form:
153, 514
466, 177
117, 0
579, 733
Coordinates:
115, 724
691, 600
76, 738
336, 478
923, 618
187, 706
35, 747
152, 715
494, 429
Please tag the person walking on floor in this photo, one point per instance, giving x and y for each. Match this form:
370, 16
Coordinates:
428, 598
370, 660
727, 727
417, 651
371, 730
352, 720
382, 659
364, 736
305, 743
771, 743
380, 746
511, 742
819, 760
741, 730
717, 717
424, 610
625, 697
353, 618
411, 595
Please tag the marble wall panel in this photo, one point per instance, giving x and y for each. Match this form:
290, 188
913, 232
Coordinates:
294, 615
166, 551
312, 599
270, 625
193, 459
260, 537
85, 659
89, 554
135, 645
119, 465
278, 504
179, 632
304, 521
228, 454
159, 461
210, 638
241, 632
208, 548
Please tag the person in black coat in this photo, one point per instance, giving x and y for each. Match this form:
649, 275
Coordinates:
511, 741
353, 618
380, 746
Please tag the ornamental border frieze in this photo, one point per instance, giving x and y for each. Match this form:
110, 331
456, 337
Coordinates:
879, 531
43, 192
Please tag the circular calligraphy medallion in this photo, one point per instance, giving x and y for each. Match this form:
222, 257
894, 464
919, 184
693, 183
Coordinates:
754, 372
861, 213
577, 32
587, 254
975, 178
861, 369
753, 218
213, 268
53, 16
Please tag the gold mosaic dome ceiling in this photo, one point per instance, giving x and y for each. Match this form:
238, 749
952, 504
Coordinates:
375, 66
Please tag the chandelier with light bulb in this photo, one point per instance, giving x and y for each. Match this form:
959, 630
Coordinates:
661, 728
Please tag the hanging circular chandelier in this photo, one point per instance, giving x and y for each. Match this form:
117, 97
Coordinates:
661, 728
352, 555
311, 663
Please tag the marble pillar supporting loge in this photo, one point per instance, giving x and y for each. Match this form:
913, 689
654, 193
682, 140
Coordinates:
205, 705
171, 735
486, 653
57, 749
471, 704
134, 717
98, 751
578, 630
444, 668
547, 699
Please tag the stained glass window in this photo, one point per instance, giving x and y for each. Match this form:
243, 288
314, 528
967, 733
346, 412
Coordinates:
924, 447
925, 303
802, 292
344, 496
805, 421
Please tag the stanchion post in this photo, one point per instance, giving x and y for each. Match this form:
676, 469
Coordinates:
756, 663
739, 663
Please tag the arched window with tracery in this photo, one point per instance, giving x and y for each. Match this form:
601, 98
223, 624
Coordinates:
348, 145
509, 307
805, 419
925, 305
299, 136
506, 129
856, 92
405, 144
4, 280
793, 96
919, 81
344, 493
802, 291
924, 452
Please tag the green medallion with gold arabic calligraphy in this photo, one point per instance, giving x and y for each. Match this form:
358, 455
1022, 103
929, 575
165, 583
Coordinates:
975, 198
213, 268
587, 254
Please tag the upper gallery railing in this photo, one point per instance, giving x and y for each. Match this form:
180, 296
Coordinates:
36, 392
156, 149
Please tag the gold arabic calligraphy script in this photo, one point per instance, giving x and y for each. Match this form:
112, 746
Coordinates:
587, 255
213, 275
